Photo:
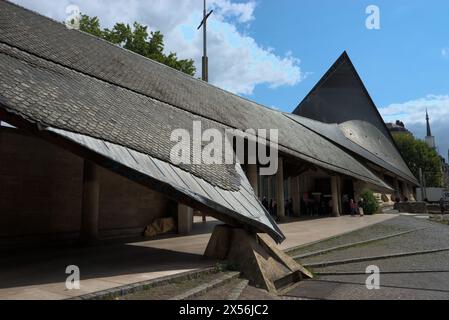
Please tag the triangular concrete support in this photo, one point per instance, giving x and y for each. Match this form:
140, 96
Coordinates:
258, 258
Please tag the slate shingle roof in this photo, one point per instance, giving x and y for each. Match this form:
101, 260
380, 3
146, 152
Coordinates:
376, 150
133, 78
56, 96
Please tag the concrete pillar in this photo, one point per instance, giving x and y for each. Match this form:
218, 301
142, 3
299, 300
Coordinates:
358, 189
185, 219
296, 196
280, 189
90, 203
397, 192
335, 196
340, 203
412, 193
253, 178
408, 191
269, 188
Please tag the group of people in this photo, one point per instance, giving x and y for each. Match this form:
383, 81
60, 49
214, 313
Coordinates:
272, 208
312, 207
350, 206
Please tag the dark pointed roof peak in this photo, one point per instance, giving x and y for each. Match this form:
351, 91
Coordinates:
429, 132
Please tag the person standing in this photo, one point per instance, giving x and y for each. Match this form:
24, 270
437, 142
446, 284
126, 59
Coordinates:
345, 202
352, 207
290, 207
275, 209
265, 203
360, 207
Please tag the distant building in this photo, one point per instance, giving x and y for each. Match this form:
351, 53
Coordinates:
446, 172
397, 127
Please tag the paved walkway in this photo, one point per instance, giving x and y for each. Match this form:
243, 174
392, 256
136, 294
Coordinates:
424, 275
303, 232
40, 274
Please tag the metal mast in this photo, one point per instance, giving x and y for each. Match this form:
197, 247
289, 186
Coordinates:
205, 71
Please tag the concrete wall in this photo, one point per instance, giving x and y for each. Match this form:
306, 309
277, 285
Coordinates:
125, 205
41, 188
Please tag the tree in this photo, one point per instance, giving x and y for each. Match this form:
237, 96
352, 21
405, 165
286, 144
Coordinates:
138, 40
417, 154
370, 204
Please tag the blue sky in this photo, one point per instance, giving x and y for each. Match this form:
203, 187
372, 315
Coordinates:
401, 61
274, 52
401, 64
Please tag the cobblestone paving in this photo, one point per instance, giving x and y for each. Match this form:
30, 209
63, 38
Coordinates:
374, 231
431, 283
435, 236
342, 291
253, 293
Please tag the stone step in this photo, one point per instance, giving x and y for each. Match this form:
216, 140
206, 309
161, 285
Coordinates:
236, 292
204, 288
144, 285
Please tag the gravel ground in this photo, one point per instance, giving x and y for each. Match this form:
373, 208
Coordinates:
433, 284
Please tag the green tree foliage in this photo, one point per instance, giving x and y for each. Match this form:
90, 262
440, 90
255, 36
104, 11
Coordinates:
417, 154
137, 39
370, 204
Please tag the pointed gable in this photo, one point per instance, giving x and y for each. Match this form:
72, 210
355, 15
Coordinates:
341, 98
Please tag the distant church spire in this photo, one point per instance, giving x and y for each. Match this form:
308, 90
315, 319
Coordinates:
429, 132
430, 140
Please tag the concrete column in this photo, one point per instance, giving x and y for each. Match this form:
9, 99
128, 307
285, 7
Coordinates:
185, 219
90, 203
358, 188
412, 193
269, 188
335, 196
253, 178
397, 192
296, 196
340, 204
280, 189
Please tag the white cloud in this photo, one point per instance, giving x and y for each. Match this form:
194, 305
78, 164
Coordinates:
236, 61
244, 12
413, 114
414, 111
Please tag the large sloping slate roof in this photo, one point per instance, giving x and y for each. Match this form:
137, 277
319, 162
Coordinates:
132, 130
52, 41
240, 205
341, 98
